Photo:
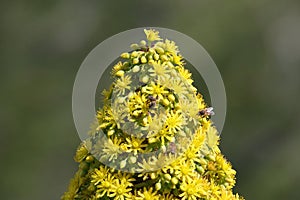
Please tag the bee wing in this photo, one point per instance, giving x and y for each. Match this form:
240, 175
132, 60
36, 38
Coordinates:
210, 110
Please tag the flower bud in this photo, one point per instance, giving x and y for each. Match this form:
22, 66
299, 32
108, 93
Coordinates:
153, 176
152, 140
174, 180
110, 132
135, 61
136, 69
120, 73
89, 159
168, 177
166, 102
143, 59
125, 55
158, 186
150, 57
91, 187
123, 163
159, 50
134, 46
151, 50
171, 97
145, 79
143, 43
156, 56
200, 169
134, 54
132, 159
202, 161
164, 58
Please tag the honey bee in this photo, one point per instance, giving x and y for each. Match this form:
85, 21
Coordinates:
152, 101
206, 112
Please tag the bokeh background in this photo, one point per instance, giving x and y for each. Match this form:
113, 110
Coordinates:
255, 44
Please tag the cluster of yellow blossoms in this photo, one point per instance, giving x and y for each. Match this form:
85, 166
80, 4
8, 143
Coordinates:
151, 141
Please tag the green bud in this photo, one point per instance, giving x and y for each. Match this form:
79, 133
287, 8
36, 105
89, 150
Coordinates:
84, 166
134, 46
202, 161
89, 159
200, 169
143, 43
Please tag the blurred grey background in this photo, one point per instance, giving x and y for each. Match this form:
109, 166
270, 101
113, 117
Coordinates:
255, 44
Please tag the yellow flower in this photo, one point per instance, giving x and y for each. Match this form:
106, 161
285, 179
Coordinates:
81, 153
227, 195
117, 67
185, 171
122, 84
189, 191
212, 137
125, 177
164, 136
178, 86
73, 188
118, 113
192, 154
153, 132
159, 70
120, 190
156, 90
106, 186
148, 194
146, 166
99, 174
168, 46
199, 138
167, 197
186, 75
152, 35
178, 60
135, 144
174, 122
137, 105
112, 148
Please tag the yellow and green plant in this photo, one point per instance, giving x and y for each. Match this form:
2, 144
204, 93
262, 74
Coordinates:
154, 138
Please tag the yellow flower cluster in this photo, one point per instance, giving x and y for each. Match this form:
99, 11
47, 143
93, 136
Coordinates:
155, 144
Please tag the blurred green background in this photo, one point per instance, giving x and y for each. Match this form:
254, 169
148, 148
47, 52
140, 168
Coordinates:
255, 44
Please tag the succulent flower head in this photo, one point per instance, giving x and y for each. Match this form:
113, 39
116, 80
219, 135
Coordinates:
156, 144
